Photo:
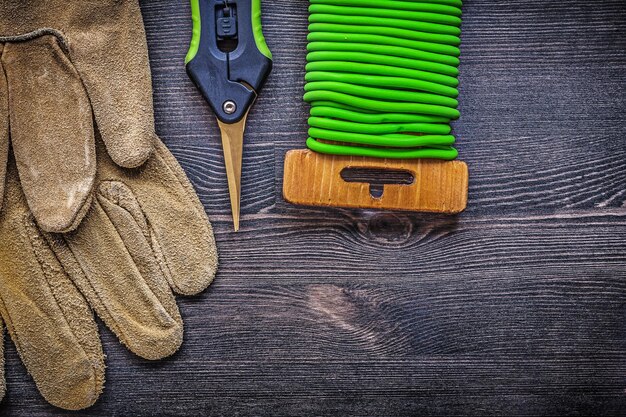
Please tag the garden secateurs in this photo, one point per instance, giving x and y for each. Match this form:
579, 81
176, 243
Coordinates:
229, 62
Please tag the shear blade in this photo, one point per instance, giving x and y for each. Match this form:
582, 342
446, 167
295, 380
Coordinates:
232, 142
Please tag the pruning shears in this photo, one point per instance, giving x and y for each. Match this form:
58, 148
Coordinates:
229, 62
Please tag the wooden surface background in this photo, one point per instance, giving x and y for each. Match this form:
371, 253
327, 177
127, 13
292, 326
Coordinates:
516, 307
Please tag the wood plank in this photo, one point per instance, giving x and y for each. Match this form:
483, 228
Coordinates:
532, 319
431, 386
314, 179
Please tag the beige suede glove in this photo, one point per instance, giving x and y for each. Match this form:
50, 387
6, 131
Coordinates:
145, 235
138, 234
98, 46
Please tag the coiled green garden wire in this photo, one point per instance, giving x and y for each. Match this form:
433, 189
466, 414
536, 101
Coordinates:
382, 77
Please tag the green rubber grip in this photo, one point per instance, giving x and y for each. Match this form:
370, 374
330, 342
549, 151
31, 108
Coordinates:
196, 20
257, 29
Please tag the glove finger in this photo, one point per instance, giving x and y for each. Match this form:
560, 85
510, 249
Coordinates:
48, 319
114, 66
4, 128
111, 260
51, 131
179, 228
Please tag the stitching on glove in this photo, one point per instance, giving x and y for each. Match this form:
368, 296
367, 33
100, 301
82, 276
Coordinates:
36, 34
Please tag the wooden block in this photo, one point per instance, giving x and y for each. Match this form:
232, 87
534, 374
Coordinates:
314, 179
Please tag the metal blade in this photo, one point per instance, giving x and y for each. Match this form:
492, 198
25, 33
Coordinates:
232, 142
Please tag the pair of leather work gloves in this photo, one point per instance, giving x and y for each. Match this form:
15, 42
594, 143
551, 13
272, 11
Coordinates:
96, 213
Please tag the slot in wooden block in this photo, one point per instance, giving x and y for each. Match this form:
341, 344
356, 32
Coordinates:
314, 179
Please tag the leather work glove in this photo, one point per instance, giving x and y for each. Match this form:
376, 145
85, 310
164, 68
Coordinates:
99, 46
80, 231
145, 235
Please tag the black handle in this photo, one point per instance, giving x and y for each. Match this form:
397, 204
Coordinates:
224, 61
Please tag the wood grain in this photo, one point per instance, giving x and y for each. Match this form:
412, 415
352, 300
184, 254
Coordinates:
317, 180
517, 307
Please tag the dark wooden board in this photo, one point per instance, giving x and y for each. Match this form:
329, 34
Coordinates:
516, 307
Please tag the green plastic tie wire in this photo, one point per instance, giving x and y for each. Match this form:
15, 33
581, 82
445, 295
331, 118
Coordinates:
379, 12
337, 111
378, 129
448, 154
395, 140
427, 45
382, 59
382, 81
341, 106
392, 51
382, 106
386, 117
443, 8
382, 76
430, 30
444, 54
382, 70
384, 94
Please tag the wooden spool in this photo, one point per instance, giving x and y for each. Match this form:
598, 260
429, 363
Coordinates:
314, 179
